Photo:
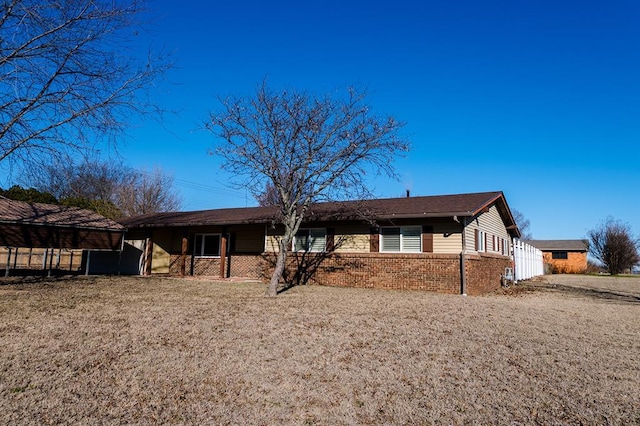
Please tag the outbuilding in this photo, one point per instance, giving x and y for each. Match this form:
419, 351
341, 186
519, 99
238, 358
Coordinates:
47, 237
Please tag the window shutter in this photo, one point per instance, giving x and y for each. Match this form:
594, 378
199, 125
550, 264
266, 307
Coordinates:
486, 240
331, 239
427, 239
374, 240
477, 235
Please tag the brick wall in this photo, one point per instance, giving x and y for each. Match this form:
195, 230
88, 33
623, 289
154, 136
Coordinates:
420, 271
576, 263
484, 272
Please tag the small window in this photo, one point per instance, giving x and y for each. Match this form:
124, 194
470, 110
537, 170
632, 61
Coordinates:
481, 242
505, 247
312, 240
207, 245
401, 239
559, 255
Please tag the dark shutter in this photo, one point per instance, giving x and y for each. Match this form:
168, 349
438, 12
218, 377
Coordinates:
477, 237
427, 239
330, 239
374, 240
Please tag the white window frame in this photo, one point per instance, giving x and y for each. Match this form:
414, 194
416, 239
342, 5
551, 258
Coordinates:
403, 230
482, 240
203, 245
309, 247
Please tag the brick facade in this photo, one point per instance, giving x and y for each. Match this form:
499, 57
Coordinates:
575, 263
420, 271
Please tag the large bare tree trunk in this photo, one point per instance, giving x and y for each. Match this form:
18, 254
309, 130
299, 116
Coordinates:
281, 260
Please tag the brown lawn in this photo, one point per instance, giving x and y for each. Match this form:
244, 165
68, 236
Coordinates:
185, 351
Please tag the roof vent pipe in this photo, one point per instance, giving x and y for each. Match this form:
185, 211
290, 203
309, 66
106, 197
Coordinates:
408, 193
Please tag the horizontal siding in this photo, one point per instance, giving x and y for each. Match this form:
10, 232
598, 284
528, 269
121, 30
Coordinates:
447, 243
352, 239
491, 223
250, 240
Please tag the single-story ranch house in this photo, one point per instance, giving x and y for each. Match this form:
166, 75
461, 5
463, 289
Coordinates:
447, 243
563, 256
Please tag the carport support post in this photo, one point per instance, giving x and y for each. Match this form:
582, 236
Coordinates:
183, 255
223, 254
6, 271
86, 269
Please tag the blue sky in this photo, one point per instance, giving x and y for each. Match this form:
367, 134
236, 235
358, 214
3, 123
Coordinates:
538, 99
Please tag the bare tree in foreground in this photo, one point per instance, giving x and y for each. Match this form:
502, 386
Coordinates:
66, 80
305, 148
612, 244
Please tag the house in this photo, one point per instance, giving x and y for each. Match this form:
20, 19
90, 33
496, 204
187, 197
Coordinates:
37, 236
563, 256
447, 243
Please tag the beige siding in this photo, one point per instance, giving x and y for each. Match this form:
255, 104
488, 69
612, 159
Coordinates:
491, 223
447, 239
160, 251
272, 239
250, 240
352, 239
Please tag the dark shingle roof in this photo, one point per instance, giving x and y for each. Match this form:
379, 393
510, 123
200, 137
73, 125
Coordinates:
39, 225
20, 212
461, 205
560, 245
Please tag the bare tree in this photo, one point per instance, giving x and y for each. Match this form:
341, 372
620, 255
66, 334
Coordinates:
523, 224
612, 244
308, 148
66, 80
148, 192
110, 188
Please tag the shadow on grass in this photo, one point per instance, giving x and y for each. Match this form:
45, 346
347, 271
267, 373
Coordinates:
591, 293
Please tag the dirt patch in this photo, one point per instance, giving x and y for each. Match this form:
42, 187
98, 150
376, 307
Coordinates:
171, 351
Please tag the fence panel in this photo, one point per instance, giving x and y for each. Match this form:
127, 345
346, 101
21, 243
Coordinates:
528, 261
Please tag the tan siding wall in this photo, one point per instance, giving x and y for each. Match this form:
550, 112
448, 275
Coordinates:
271, 240
447, 239
352, 239
162, 243
250, 240
491, 223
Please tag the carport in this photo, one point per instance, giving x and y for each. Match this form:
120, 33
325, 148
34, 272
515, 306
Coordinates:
28, 226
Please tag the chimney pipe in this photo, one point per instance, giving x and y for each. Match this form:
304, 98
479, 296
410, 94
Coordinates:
408, 193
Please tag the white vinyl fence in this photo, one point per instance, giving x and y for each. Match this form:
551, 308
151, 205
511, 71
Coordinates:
528, 261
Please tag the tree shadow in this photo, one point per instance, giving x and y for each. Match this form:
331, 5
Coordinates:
594, 293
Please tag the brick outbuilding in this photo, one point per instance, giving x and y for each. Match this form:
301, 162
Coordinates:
563, 256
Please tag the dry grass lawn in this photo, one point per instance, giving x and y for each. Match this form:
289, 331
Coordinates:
186, 351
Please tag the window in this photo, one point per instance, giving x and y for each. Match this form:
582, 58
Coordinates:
559, 255
505, 247
401, 239
481, 240
207, 245
314, 239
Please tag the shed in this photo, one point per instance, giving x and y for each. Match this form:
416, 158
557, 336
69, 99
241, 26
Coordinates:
563, 256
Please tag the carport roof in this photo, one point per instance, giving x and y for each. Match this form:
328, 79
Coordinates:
40, 225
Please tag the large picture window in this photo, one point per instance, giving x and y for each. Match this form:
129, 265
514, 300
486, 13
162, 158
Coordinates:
314, 240
401, 239
207, 245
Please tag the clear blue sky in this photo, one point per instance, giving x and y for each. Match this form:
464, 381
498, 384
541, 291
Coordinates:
538, 99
